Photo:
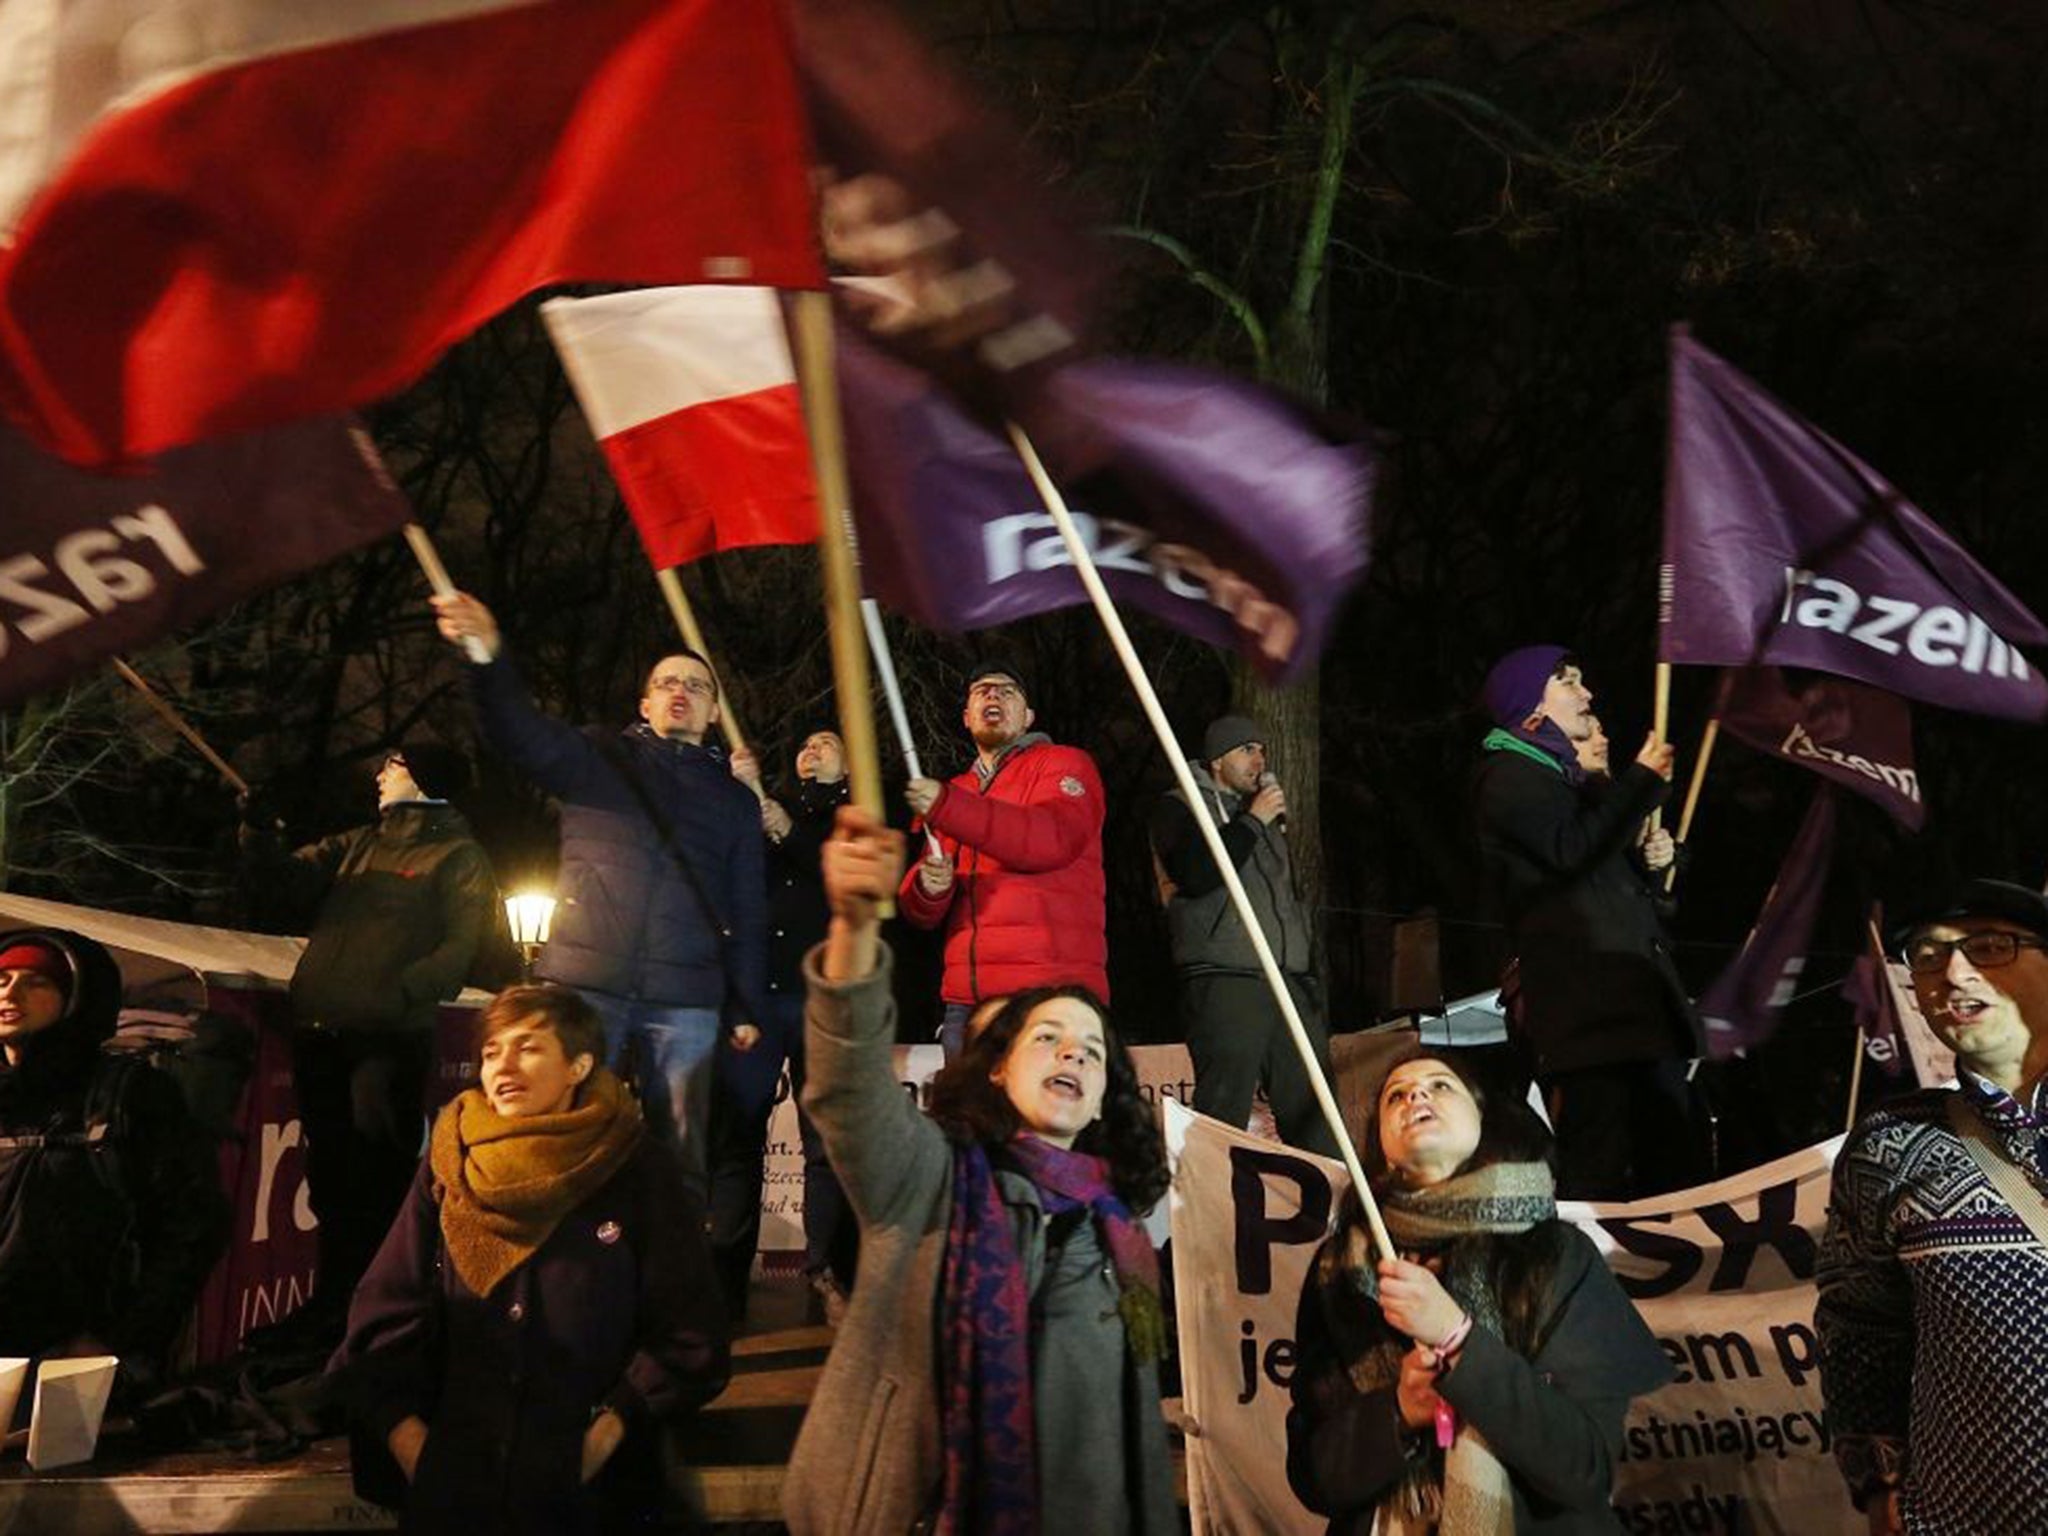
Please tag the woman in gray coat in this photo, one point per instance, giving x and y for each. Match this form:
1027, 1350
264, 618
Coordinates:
998, 1368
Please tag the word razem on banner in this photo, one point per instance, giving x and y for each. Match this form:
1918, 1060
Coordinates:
1722, 1274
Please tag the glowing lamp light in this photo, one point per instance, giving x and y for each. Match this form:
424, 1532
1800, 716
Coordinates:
530, 914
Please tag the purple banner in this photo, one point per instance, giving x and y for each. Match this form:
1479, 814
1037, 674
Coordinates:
1780, 546
92, 565
1877, 1015
1210, 503
991, 273
1858, 736
1741, 1008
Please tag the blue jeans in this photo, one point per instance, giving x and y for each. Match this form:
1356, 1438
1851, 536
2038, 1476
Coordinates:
666, 1053
953, 1030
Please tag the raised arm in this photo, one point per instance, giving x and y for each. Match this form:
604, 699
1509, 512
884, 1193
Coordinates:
889, 1157
1049, 829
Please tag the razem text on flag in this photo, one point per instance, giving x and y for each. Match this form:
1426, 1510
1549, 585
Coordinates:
692, 395
1783, 548
1211, 504
224, 216
1857, 736
93, 565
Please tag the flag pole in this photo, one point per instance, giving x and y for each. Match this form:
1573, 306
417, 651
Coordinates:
177, 722
1708, 737
1856, 1069
693, 636
437, 578
1120, 640
818, 375
892, 693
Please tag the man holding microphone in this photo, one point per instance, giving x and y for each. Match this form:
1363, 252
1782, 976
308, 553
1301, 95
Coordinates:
1235, 1031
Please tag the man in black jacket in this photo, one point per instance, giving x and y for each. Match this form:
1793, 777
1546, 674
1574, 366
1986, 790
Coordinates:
661, 922
1600, 1004
398, 910
111, 1210
794, 826
1235, 1032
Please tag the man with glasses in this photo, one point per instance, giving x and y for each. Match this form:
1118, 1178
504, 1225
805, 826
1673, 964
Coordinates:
661, 919
1015, 874
397, 911
1933, 1311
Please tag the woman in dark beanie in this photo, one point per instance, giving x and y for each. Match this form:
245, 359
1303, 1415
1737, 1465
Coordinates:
997, 1372
543, 1301
111, 1210
1475, 1386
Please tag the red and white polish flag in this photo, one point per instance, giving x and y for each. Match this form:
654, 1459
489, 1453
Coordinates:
692, 394
223, 214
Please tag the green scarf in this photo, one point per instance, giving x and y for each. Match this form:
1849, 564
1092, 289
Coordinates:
506, 1182
1464, 1492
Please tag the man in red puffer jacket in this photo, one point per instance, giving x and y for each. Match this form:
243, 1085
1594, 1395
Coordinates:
1017, 878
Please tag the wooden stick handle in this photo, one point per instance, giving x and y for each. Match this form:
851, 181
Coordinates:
693, 636
818, 373
437, 578
1148, 697
1708, 737
181, 725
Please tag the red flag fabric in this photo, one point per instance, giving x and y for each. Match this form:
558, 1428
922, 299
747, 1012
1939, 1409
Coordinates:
92, 565
281, 211
692, 394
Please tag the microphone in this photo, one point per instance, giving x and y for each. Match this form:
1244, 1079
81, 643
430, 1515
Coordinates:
1267, 780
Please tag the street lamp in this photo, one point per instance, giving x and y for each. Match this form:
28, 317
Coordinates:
530, 914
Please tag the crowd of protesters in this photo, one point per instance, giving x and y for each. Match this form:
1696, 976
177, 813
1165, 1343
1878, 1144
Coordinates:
562, 1269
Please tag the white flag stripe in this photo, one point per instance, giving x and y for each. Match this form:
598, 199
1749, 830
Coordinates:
115, 52
637, 356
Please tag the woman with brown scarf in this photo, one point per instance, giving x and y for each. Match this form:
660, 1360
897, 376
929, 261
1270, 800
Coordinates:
1476, 1385
543, 1301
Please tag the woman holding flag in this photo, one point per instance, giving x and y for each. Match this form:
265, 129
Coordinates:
1477, 1383
997, 1371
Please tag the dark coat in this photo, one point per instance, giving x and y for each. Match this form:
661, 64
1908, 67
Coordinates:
1597, 983
1206, 931
629, 921
618, 1308
111, 1209
1554, 1420
797, 914
399, 909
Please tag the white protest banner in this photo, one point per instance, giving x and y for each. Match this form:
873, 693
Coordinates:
1723, 1276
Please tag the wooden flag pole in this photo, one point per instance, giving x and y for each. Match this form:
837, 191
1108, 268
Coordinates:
1856, 1068
1708, 737
183, 727
693, 636
437, 578
1660, 727
817, 372
1141, 684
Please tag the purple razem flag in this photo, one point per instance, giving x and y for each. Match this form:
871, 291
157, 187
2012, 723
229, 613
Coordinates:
1210, 503
1741, 1007
1858, 736
1782, 548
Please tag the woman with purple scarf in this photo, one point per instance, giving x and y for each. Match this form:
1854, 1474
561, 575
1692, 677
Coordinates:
997, 1371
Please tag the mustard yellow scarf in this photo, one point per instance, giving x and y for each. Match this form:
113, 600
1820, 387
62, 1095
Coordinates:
506, 1183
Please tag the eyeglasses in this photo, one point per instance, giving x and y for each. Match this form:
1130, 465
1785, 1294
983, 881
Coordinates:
1003, 691
1987, 951
696, 687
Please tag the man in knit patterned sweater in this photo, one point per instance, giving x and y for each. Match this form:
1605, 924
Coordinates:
1933, 1311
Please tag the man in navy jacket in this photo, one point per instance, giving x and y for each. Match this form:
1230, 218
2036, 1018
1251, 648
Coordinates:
661, 914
